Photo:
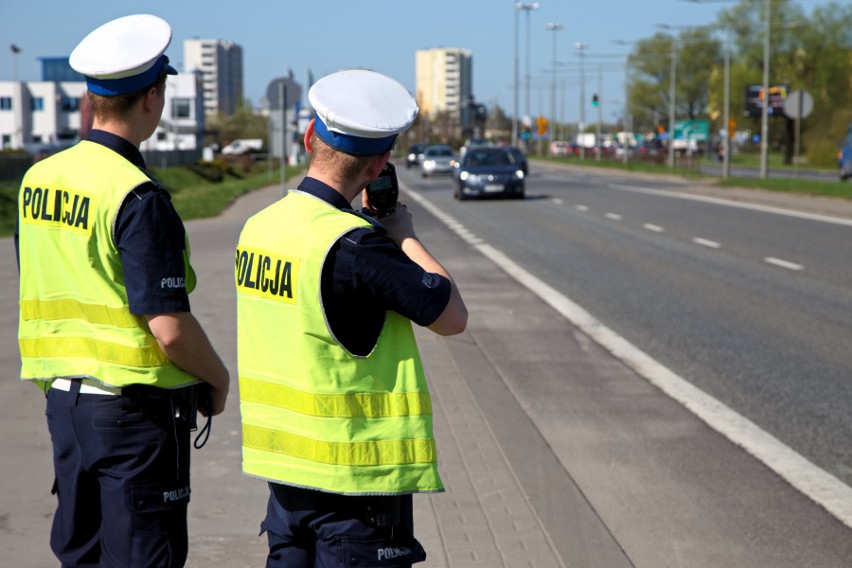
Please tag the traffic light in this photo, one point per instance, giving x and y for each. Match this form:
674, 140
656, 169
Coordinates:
595, 100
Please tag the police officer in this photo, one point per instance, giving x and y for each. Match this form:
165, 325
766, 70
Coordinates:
336, 413
105, 324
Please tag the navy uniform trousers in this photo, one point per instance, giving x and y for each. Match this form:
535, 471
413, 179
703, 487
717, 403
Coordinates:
122, 478
314, 529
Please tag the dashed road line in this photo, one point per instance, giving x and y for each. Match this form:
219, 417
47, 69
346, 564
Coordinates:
581, 208
613, 216
783, 263
706, 243
654, 228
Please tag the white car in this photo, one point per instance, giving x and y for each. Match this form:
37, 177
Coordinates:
437, 159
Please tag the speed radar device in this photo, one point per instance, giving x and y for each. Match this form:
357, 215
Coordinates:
383, 192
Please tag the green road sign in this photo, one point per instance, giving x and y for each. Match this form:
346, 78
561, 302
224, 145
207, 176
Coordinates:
697, 130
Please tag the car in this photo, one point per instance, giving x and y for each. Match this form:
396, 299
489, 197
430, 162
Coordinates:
471, 142
651, 149
560, 148
520, 158
414, 155
488, 171
844, 157
437, 159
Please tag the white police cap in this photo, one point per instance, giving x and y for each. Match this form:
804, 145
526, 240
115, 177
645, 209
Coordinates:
124, 55
361, 112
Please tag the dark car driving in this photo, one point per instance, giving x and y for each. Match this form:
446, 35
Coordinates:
844, 157
520, 158
486, 171
414, 156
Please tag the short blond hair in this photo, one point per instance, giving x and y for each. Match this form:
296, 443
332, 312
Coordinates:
118, 106
347, 166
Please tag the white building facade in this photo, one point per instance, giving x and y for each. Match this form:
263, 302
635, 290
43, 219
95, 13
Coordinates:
221, 66
44, 116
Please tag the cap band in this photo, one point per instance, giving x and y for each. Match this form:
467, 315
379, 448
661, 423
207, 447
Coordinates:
112, 87
353, 144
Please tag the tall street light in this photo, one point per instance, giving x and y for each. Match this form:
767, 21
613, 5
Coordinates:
764, 112
526, 7
554, 28
581, 126
628, 134
672, 95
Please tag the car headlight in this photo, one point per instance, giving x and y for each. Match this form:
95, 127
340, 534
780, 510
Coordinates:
519, 174
464, 176
429, 163
411, 157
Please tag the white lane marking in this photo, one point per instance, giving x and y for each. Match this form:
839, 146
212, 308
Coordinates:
817, 484
613, 216
706, 243
783, 263
557, 201
655, 228
738, 204
581, 208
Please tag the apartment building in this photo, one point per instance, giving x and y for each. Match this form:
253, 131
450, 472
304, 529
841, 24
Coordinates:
221, 66
443, 81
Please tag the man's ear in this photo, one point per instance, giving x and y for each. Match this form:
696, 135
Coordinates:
374, 168
309, 133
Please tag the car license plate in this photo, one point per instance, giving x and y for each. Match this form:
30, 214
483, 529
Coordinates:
494, 187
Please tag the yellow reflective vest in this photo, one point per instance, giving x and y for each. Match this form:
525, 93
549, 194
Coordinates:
74, 314
313, 414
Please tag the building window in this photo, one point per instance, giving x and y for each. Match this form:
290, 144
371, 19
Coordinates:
37, 103
70, 104
5, 103
181, 108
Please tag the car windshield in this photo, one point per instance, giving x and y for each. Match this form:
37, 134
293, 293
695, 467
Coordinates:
439, 152
484, 157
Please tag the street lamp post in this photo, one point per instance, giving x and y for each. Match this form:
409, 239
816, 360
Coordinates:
580, 46
526, 7
15, 51
554, 28
764, 112
672, 95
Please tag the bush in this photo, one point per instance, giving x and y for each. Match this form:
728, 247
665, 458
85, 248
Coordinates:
822, 153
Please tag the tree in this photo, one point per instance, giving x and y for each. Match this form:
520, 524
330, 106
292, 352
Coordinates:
244, 123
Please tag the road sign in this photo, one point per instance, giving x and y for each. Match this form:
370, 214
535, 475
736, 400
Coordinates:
799, 104
541, 124
732, 127
697, 130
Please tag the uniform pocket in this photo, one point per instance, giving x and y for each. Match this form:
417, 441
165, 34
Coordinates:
158, 536
386, 553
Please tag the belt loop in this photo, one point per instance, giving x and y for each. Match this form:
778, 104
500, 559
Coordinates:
74, 392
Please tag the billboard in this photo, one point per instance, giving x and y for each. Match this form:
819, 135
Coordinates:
754, 100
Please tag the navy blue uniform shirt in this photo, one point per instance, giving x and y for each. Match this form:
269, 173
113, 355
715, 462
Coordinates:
150, 239
365, 275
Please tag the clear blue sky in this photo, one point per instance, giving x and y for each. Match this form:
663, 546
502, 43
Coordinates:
327, 35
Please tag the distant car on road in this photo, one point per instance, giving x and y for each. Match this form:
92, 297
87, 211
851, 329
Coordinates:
844, 158
520, 158
560, 148
471, 142
414, 155
487, 171
437, 159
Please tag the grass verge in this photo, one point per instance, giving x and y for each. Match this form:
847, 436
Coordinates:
193, 196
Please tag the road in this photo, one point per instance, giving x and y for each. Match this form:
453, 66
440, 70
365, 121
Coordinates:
752, 307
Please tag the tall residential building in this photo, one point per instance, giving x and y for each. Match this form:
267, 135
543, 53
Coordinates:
221, 66
444, 80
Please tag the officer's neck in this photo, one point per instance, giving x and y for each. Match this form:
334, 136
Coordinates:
348, 189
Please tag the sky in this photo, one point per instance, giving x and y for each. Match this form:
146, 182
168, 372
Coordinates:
323, 36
